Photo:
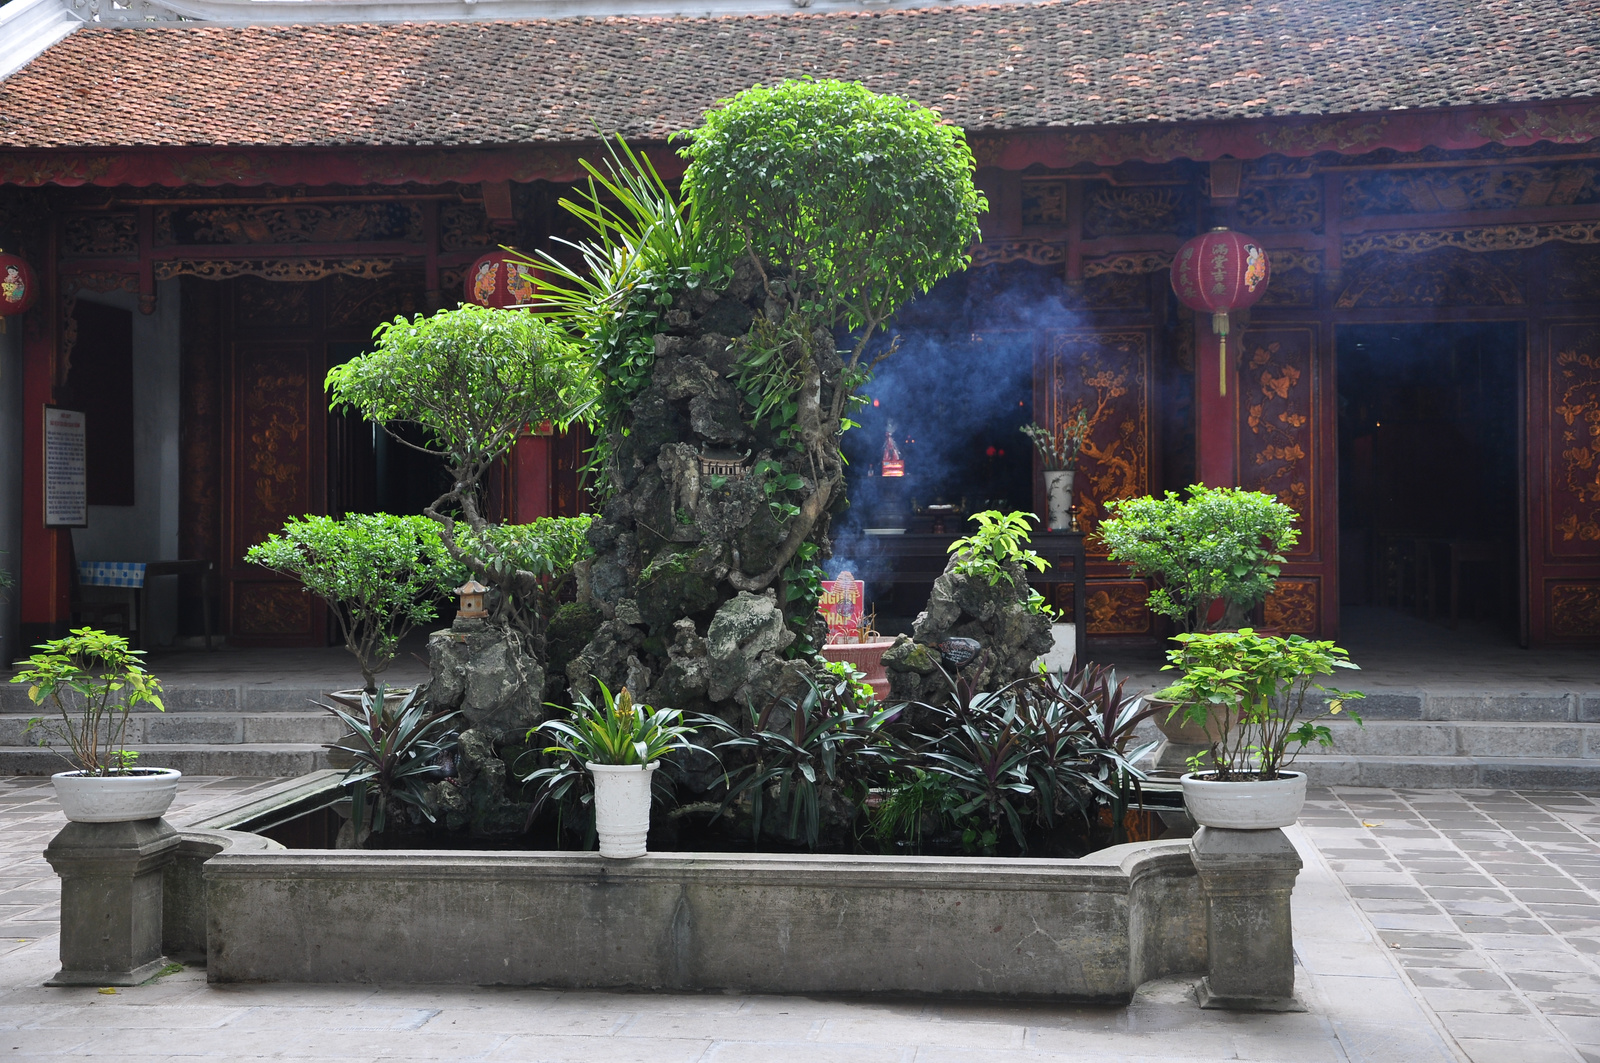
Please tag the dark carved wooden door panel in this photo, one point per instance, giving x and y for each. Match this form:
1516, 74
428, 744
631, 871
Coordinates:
1563, 483
1287, 419
275, 471
1105, 373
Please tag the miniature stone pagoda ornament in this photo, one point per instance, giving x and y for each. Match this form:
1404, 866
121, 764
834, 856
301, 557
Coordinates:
1220, 272
471, 607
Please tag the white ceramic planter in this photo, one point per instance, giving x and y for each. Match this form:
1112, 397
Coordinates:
1245, 805
116, 798
622, 807
1058, 498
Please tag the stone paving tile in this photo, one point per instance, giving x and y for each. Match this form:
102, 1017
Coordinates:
1519, 980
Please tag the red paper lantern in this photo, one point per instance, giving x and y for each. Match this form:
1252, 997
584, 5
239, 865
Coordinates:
500, 280
1220, 272
19, 287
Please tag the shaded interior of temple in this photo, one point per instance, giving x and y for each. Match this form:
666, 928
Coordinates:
1428, 459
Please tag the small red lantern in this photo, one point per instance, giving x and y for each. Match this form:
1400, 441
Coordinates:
19, 288
1220, 272
501, 280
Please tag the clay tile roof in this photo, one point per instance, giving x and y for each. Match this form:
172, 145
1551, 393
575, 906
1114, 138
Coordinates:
1061, 63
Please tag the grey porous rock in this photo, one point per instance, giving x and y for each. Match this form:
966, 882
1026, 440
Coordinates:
997, 617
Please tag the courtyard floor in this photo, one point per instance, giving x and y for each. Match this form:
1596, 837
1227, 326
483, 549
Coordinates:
1429, 926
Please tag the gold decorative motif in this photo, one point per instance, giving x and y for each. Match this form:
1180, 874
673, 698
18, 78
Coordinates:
1105, 376
1039, 252
1133, 262
1181, 142
1574, 274
1575, 440
100, 236
284, 269
1279, 402
986, 150
1126, 211
1294, 278
306, 223
1562, 127
99, 280
1117, 609
274, 427
1339, 134
1489, 238
1289, 205
52, 169
1112, 291
1470, 188
464, 227
1574, 610
1292, 607
356, 304
1445, 278
268, 609
274, 304
1044, 202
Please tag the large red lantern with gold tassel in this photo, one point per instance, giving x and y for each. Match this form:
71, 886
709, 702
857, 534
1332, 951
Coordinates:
501, 280
19, 288
1220, 272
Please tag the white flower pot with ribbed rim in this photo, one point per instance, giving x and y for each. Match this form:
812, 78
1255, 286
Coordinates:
622, 807
144, 793
1247, 804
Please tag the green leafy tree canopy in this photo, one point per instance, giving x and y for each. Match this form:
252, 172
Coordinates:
379, 573
867, 198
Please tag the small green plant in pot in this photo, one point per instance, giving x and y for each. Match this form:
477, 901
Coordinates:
1219, 543
93, 681
1268, 690
621, 744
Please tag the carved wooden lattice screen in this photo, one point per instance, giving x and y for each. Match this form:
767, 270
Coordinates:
1563, 479
1105, 373
1286, 447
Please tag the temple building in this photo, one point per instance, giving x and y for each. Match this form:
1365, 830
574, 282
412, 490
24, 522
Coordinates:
220, 199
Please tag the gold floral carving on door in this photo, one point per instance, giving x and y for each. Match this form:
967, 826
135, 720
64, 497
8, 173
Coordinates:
1564, 446
1103, 374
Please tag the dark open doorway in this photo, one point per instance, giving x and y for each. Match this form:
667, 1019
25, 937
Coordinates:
1428, 453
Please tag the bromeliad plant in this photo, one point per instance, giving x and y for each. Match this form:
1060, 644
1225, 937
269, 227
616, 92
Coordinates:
804, 753
399, 747
93, 680
1269, 680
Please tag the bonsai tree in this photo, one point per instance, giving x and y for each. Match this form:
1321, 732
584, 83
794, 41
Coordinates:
1218, 543
473, 378
848, 203
93, 680
380, 574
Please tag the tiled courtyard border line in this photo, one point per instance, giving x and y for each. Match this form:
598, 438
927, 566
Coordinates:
1361, 1009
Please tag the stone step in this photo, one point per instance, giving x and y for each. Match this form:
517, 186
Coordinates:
1488, 707
206, 728
253, 760
1444, 773
200, 698
1451, 738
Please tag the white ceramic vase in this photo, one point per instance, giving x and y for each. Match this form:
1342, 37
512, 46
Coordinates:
1058, 498
1246, 804
116, 798
622, 807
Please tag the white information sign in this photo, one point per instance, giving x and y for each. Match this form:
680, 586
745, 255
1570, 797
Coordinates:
65, 469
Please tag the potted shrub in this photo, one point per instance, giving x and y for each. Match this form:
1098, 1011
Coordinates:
1219, 544
1258, 687
380, 574
620, 744
94, 680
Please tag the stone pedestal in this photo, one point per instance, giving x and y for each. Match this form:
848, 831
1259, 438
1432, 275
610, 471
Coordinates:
1247, 876
111, 900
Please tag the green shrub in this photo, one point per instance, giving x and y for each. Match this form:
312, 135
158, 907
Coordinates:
1219, 542
381, 575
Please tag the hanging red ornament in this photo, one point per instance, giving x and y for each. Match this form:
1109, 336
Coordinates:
1220, 272
500, 279
19, 287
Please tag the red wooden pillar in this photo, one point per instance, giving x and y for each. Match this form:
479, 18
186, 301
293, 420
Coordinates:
45, 597
1216, 416
531, 460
